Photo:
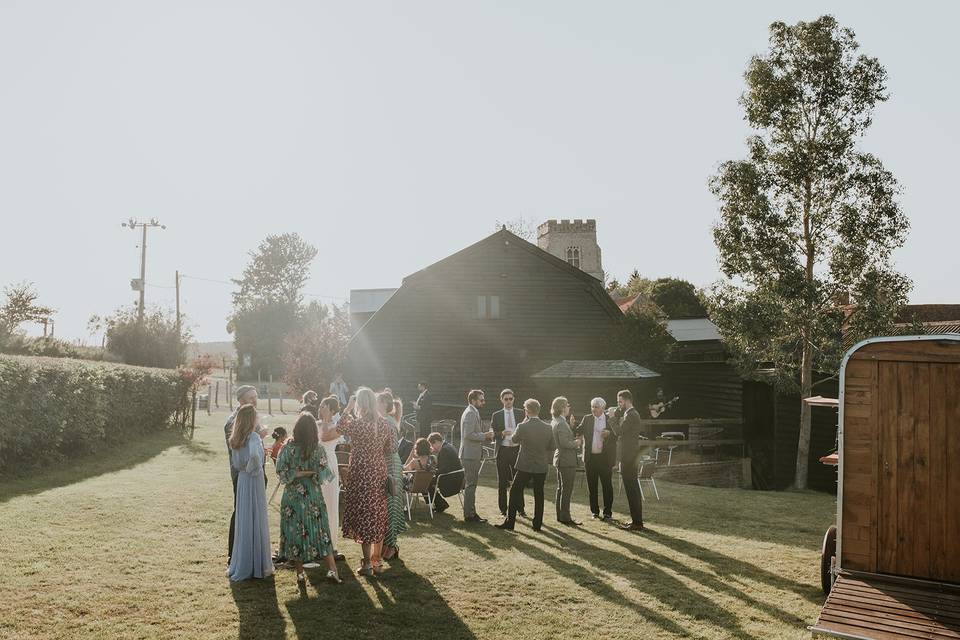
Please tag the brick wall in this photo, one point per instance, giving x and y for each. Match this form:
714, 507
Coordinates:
728, 474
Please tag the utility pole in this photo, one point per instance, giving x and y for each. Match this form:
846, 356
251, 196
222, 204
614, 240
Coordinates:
178, 305
141, 285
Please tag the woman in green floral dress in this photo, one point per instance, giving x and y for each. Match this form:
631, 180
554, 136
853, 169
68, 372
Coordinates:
304, 527
396, 505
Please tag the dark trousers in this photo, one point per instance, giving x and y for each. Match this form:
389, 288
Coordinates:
631, 486
520, 481
599, 469
506, 468
233, 517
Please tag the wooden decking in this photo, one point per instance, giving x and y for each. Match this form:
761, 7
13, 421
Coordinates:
880, 607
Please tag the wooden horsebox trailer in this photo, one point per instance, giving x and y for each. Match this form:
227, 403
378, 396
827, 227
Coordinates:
897, 570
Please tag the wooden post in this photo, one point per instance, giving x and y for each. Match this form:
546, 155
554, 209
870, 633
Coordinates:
230, 389
193, 410
218, 394
209, 393
270, 396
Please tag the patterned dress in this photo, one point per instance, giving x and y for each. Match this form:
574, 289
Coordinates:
396, 505
365, 492
304, 528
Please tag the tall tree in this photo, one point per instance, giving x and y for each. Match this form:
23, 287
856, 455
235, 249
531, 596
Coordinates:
19, 307
808, 220
678, 298
269, 300
315, 353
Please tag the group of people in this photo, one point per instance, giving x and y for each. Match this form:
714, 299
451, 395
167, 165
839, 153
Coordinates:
307, 467
525, 446
381, 460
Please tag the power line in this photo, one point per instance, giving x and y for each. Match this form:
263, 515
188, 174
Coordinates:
232, 284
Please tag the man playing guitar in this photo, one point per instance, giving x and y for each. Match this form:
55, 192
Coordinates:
660, 404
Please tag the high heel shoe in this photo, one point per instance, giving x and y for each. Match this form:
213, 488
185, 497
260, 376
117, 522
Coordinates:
333, 577
376, 569
365, 570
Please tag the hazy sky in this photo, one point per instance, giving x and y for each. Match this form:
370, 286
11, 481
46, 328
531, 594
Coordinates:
391, 134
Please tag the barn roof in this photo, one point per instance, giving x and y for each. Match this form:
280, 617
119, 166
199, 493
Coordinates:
597, 369
693, 329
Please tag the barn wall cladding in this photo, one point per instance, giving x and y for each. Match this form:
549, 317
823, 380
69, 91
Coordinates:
536, 310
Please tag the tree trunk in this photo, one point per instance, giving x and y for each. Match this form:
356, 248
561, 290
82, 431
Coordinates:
803, 442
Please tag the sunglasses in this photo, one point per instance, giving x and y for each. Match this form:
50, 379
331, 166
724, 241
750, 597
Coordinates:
508, 399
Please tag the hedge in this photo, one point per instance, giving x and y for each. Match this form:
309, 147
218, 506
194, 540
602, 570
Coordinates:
54, 409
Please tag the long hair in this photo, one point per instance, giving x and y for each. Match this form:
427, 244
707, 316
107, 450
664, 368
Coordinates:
366, 403
310, 397
305, 435
385, 400
243, 424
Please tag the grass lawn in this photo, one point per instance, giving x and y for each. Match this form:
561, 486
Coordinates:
132, 544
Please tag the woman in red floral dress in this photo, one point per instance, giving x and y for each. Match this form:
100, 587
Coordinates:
365, 493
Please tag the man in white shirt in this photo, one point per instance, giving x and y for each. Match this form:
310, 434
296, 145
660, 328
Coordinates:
504, 423
599, 456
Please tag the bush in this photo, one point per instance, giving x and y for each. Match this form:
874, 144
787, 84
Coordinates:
154, 342
54, 409
51, 347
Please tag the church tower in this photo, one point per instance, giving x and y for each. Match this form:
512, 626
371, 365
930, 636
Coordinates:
574, 241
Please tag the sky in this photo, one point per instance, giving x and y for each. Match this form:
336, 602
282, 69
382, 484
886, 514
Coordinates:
391, 134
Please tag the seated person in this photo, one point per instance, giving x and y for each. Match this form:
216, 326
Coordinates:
280, 438
420, 460
448, 460
405, 450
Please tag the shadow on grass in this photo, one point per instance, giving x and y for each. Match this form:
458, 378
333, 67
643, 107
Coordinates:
109, 459
260, 617
648, 572
400, 603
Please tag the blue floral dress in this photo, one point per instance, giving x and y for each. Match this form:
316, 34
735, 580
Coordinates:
304, 527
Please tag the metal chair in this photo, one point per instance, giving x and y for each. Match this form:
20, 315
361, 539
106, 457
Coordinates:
448, 429
463, 484
488, 453
418, 485
645, 472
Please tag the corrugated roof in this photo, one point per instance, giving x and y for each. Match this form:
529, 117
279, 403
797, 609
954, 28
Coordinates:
928, 313
692, 330
597, 369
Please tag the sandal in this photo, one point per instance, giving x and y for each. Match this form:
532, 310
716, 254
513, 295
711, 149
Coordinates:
333, 577
365, 570
302, 579
376, 569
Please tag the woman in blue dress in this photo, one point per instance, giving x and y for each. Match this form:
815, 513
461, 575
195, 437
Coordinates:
304, 527
251, 529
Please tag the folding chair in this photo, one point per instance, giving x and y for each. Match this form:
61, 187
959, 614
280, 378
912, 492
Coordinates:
645, 472
448, 429
488, 453
463, 483
417, 486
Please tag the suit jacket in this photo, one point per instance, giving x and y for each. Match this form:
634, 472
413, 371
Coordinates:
536, 445
498, 423
627, 426
565, 454
608, 456
425, 409
447, 461
471, 434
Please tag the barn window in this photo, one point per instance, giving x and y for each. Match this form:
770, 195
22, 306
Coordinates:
488, 307
573, 256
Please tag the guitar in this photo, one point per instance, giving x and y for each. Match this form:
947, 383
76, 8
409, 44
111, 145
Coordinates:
656, 410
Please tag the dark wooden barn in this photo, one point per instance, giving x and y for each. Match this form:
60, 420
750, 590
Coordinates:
489, 317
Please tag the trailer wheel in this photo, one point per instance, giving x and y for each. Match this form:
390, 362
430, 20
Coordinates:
828, 554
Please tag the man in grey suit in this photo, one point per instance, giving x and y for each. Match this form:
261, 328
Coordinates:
536, 448
472, 438
564, 458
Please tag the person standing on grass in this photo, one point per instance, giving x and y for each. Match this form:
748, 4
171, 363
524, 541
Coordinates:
365, 494
304, 526
625, 421
424, 407
251, 551
339, 389
245, 395
472, 438
564, 458
329, 415
599, 456
536, 447
504, 423
396, 504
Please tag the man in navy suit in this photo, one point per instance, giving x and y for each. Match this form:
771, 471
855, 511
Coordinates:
504, 423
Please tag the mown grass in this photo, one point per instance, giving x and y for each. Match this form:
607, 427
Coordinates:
132, 544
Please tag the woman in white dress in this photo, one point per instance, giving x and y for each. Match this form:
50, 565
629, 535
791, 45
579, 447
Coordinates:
328, 416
